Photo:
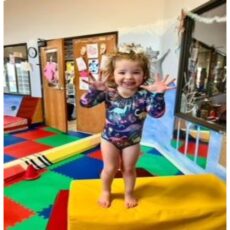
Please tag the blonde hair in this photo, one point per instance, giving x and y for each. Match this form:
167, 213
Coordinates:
140, 57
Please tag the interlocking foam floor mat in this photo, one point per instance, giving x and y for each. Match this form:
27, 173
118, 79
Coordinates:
39, 195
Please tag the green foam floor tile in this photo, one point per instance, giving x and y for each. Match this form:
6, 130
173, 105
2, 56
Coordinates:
53, 130
57, 140
35, 223
38, 194
201, 161
157, 165
78, 156
174, 143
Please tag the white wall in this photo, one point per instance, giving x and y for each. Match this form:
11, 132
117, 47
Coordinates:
26, 20
35, 79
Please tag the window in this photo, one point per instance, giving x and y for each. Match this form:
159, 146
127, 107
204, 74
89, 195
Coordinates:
16, 70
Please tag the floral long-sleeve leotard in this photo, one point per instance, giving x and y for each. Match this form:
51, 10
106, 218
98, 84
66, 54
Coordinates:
125, 116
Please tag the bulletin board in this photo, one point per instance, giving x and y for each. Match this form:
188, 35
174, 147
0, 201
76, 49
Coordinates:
88, 51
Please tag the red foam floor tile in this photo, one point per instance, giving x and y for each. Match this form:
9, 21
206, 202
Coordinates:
96, 155
25, 148
202, 150
58, 218
14, 213
35, 134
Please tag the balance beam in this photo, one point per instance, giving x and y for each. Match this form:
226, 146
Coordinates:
53, 155
62, 152
174, 202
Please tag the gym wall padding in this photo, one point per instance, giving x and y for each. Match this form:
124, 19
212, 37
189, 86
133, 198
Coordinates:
12, 104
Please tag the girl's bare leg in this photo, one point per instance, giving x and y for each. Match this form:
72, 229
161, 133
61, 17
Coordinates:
130, 156
110, 155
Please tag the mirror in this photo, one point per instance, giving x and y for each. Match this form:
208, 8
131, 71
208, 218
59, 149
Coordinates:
201, 93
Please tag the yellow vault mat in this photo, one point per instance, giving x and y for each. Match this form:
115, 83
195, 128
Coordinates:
165, 203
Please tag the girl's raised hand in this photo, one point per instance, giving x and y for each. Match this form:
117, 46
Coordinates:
99, 84
159, 86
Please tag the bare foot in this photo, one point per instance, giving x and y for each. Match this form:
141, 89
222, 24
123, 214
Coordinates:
130, 201
105, 199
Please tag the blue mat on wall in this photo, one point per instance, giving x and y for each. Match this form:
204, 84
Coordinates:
12, 104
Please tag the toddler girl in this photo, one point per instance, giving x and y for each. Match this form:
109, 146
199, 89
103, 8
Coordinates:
127, 100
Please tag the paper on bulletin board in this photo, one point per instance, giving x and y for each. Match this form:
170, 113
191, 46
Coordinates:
82, 84
104, 62
92, 50
93, 65
84, 73
81, 64
70, 66
103, 48
96, 76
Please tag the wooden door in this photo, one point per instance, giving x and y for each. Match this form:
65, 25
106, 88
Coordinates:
54, 93
91, 120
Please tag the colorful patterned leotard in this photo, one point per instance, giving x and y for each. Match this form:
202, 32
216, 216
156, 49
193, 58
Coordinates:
125, 116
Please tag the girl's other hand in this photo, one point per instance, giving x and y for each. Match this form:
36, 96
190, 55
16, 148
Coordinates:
159, 86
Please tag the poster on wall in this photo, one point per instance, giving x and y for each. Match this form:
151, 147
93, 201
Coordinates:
51, 68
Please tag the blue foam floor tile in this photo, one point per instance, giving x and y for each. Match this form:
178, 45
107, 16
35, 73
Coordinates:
45, 213
81, 168
154, 151
8, 158
78, 134
10, 140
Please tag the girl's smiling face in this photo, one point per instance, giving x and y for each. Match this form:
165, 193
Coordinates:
128, 74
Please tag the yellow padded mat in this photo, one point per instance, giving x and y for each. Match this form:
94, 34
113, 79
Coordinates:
190, 202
